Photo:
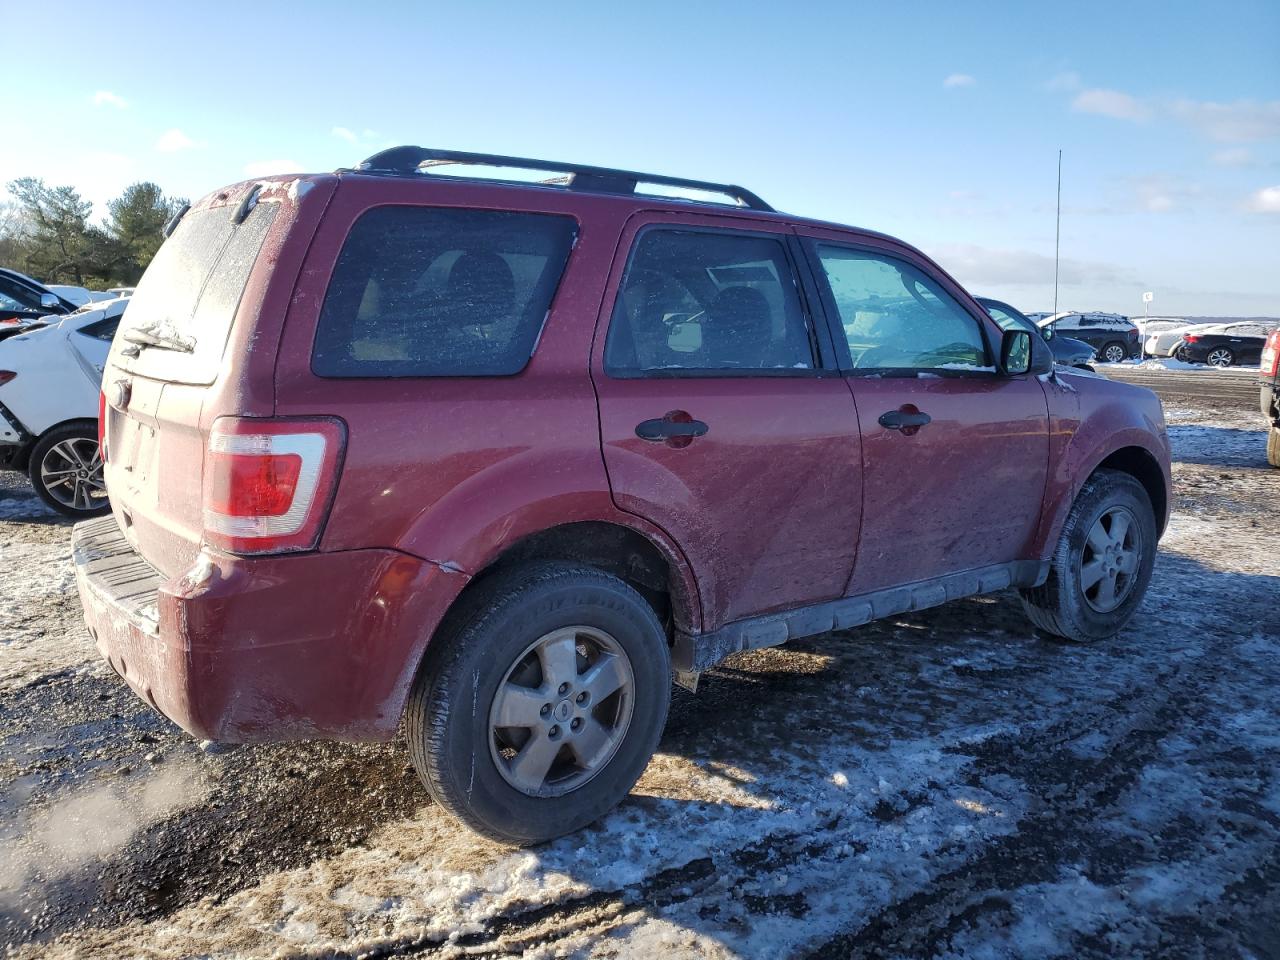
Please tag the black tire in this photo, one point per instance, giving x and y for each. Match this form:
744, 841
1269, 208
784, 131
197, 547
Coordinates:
1107, 348
451, 742
83, 437
1228, 357
1273, 446
1060, 605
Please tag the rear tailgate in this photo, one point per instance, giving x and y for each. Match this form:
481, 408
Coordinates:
198, 341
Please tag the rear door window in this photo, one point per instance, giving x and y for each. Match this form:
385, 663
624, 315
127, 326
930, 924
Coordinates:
434, 292
190, 293
708, 303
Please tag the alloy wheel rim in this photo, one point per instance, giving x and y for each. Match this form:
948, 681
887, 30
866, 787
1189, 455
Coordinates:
1111, 560
561, 711
1115, 354
1220, 358
71, 472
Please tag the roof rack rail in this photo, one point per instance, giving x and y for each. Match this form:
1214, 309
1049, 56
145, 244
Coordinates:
409, 159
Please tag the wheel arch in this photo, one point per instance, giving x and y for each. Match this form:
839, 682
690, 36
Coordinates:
90, 422
646, 562
1142, 465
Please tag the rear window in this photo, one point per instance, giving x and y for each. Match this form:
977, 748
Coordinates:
192, 289
434, 292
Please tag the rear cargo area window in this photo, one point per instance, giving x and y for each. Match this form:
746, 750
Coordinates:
431, 292
190, 293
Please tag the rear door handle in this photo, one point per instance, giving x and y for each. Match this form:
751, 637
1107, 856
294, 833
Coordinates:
902, 419
674, 426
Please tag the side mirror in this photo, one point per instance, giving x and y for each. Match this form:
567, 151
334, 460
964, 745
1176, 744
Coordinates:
1048, 332
1015, 353
49, 301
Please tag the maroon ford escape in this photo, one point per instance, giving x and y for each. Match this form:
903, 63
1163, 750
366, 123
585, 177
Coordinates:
497, 459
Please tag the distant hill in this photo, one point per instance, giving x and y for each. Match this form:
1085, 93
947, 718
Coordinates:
1232, 319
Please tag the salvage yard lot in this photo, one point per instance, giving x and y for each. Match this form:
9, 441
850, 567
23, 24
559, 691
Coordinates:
940, 784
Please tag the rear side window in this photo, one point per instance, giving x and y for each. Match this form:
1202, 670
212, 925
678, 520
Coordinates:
702, 303
191, 291
434, 292
102, 330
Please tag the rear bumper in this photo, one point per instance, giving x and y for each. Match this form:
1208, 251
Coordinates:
271, 648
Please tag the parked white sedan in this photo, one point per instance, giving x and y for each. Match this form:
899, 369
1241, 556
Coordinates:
49, 384
1163, 343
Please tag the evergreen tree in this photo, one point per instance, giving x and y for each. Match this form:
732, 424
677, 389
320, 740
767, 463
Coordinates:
136, 222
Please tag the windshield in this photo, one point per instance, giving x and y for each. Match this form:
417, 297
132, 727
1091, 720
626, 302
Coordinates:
181, 314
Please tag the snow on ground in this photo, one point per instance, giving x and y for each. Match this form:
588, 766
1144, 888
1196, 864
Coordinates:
38, 631
1169, 363
941, 784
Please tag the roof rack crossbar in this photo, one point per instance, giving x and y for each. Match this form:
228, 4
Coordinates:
410, 159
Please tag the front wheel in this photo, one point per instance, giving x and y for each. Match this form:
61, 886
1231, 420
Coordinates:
1114, 353
66, 471
1100, 570
1221, 357
537, 714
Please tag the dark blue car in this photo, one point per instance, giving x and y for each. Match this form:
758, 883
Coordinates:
1066, 351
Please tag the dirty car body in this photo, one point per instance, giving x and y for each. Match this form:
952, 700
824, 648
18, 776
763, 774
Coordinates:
307, 500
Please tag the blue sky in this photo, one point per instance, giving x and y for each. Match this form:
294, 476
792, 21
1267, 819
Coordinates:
936, 122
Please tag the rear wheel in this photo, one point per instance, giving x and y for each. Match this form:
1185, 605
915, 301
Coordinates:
1114, 352
1100, 570
537, 715
66, 471
1273, 446
1220, 357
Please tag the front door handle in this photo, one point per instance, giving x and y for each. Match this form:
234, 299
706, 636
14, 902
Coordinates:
676, 429
908, 419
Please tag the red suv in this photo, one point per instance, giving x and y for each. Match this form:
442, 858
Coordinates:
495, 458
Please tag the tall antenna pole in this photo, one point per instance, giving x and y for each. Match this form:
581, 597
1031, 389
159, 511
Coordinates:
1057, 236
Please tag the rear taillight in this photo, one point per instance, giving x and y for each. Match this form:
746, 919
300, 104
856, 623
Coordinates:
6, 376
1190, 338
102, 426
268, 484
1271, 355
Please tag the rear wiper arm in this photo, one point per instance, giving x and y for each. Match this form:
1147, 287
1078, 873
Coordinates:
145, 338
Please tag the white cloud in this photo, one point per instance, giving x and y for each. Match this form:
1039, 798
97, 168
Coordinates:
267, 168
1067, 80
109, 99
1266, 200
342, 133
1244, 121
977, 267
1234, 157
959, 80
174, 140
1160, 194
1110, 103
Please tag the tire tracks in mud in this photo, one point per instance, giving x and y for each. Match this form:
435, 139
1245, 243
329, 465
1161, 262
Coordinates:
1073, 791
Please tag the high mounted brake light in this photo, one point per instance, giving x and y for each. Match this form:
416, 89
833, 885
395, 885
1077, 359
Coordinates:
268, 484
